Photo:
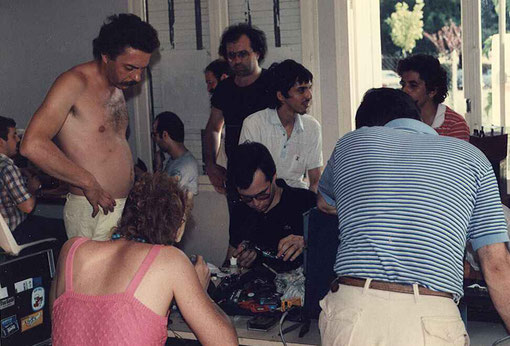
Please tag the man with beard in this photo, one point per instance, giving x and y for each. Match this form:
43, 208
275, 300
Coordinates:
244, 93
85, 112
292, 136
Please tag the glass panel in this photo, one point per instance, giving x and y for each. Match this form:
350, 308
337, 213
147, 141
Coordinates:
492, 64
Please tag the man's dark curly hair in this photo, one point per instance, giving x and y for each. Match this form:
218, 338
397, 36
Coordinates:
430, 70
122, 31
284, 76
234, 32
155, 209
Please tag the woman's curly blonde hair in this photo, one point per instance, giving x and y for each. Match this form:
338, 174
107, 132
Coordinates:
155, 209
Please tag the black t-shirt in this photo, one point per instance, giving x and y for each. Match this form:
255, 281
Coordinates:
237, 103
267, 229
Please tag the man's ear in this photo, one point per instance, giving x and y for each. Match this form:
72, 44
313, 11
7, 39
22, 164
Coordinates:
223, 76
280, 96
105, 58
432, 93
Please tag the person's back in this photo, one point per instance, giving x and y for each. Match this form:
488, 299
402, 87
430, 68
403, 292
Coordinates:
110, 289
119, 292
425, 193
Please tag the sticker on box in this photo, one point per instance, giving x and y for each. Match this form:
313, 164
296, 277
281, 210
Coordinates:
5, 303
31, 321
37, 298
24, 285
38, 281
9, 326
3, 292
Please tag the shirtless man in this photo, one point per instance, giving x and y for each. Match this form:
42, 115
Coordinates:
85, 112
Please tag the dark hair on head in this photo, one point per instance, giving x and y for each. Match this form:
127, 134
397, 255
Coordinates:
5, 124
284, 76
219, 67
430, 70
246, 159
382, 105
122, 31
155, 209
170, 122
234, 32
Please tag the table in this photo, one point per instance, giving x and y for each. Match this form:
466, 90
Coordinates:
179, 328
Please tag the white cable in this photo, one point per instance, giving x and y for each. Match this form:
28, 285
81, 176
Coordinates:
281, 324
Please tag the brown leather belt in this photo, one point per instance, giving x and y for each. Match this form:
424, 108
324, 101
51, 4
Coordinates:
385, 286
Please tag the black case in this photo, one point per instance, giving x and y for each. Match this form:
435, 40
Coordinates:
22, 319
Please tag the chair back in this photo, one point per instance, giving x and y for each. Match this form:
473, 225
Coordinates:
7, 241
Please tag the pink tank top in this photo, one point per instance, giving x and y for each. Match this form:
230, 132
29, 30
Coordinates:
113, 319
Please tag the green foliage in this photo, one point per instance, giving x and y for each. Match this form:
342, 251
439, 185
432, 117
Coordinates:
406, 26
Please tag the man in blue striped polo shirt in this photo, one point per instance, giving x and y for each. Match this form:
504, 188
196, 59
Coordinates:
408, 200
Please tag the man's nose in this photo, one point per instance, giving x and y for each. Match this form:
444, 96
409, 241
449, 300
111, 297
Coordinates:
308, 94
256, 203
138, 76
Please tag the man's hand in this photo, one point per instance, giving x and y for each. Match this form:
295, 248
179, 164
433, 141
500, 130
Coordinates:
203, 272
98, 197
245, 257
218, 176
33, 184
291, 247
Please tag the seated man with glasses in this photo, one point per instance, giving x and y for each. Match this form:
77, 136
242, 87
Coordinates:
272, 231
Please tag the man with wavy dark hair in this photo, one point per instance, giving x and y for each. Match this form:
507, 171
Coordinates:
425, 80
85, 112
292, 136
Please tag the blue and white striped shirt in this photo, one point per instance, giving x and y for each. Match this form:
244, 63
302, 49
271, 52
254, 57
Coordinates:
407, 201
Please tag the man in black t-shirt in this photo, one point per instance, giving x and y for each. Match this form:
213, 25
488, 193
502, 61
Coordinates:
244, 93
272, 230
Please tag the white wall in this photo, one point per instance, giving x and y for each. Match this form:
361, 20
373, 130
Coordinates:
41, 39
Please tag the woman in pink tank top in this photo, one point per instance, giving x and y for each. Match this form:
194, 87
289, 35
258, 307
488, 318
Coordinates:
119, 292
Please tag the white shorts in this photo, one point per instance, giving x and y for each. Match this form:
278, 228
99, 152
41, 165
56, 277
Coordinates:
80, 223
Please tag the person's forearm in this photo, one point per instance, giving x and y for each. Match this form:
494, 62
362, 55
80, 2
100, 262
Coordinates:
498, 283
47, 156
229, 334
212, 146
323, 206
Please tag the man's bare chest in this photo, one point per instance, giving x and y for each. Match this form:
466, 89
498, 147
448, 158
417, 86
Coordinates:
105, 114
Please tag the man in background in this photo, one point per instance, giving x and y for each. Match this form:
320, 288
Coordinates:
168, 134
17, 195
215, 72
425, 80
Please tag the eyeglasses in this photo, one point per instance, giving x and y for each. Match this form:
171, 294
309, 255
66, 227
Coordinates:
261, 196
241, 54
